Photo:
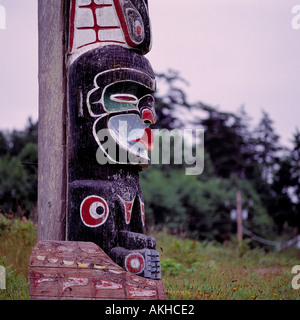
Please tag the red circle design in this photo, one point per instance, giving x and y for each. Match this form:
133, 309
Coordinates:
135, 263
88, 211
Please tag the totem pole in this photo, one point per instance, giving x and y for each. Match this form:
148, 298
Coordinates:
109, 110
110, 88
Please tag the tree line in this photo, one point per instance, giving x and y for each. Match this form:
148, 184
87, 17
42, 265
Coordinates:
238, 156
18, 170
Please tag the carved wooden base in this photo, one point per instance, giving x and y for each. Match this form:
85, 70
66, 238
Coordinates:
69, 270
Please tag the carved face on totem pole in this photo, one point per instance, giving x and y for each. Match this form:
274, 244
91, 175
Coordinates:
111, 109
122, 102
114, 100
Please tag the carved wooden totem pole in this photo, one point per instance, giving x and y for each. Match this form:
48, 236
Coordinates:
109, 110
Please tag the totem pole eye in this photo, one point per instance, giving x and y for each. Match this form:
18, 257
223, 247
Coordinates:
124, 98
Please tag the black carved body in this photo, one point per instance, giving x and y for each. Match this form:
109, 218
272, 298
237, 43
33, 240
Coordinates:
105, 202
119, 183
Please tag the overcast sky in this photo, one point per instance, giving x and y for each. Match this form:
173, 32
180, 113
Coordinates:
232, 52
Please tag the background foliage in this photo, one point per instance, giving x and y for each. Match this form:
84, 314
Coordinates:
18, 170
239, 155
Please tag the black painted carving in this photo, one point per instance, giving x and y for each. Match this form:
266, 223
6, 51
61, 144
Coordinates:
105, 201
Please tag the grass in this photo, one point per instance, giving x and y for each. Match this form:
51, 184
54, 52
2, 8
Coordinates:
191, 270
208, 271
17, 239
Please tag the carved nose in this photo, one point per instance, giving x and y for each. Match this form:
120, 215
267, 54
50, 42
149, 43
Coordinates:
147, 109
148, 117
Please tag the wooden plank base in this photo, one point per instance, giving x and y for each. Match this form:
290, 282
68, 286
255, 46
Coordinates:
71, 270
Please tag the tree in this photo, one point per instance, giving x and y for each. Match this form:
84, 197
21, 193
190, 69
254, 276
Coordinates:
241, 126
3, 144
224, 142
18, 139
280, 205
295, 175
267, 148
18, 181
169, 99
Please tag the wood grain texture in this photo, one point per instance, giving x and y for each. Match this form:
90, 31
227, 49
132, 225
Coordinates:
66, 270
52, 114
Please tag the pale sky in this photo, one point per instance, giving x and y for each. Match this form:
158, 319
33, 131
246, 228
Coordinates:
232, 52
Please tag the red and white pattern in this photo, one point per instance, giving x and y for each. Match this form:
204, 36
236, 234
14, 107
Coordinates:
101, 22
88, 211
93, 22
135, 263
139, 292
107, 285
128, 206
142, 211
72, 281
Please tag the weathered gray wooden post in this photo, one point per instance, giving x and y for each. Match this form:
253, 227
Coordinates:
96, 106
52, 121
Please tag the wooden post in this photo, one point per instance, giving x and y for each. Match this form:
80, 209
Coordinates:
52, 121
239, 220
95, 83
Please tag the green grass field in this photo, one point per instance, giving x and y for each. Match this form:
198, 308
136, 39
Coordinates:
209, 271
191, 270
